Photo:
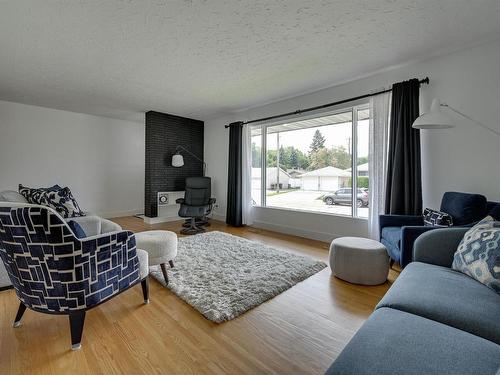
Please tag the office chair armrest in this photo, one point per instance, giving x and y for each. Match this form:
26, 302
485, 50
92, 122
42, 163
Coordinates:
180, 200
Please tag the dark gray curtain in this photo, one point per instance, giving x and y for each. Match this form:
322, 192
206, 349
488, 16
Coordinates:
404, 181
234, 179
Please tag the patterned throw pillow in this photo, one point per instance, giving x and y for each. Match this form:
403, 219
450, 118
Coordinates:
478, 254
33, 195
56, 197
437, 218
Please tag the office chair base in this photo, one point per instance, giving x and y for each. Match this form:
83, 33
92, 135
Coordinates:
199, 223
193, 227
192, 230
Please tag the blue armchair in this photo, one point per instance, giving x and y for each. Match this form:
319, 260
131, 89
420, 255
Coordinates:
399, 232
54, 272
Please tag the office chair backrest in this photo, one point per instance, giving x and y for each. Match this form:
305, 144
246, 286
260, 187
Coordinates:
198, 191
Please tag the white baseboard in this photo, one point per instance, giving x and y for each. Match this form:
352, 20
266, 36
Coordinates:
219, 217
313, 235
166, 219
161, 219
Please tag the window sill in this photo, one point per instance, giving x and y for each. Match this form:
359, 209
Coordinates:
311, 212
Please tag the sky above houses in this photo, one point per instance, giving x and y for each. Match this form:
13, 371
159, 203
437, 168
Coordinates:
335, 135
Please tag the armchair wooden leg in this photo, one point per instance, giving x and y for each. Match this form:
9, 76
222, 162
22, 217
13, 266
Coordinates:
76, 321
145, 289
391, 263
171, 262
19, 315
164, 270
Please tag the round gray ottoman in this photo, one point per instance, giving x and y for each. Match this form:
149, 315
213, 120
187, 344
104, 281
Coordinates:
359, 260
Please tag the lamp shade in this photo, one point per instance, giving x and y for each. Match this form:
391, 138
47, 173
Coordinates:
434, 119
177, 160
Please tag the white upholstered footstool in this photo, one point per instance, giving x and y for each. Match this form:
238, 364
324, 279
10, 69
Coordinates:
161, 246
144, 273
359, 260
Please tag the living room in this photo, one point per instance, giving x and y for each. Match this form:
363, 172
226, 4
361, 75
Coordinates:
209, 152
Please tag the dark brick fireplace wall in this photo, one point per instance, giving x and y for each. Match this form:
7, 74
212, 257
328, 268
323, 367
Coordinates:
164, 133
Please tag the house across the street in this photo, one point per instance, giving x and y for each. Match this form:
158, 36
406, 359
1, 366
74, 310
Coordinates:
295, 180
271, 178
325, 179
362, 170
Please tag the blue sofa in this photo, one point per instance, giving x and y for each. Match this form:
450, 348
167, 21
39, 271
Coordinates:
399, 232
433, 320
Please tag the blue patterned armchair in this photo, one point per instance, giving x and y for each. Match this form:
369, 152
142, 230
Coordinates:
399, 232
54, 272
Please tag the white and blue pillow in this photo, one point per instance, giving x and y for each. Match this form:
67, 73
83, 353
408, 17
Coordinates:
478, 254
437, 218
56, 197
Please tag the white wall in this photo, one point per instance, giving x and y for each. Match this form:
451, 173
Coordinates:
100, 159
465, 158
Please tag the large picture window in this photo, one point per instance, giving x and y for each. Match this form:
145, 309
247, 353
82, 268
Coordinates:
313, 164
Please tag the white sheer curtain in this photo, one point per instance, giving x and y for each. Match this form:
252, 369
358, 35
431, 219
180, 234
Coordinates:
377, 154
246, 175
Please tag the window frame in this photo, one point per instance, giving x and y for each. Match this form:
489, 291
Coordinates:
353, 108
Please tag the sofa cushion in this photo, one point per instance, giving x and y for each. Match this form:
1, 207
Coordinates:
478, 254
93, 225
12, 196
396, 342
446, 296
464, 208
391, 238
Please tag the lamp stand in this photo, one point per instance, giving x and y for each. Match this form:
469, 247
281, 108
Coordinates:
470, 119
194, 156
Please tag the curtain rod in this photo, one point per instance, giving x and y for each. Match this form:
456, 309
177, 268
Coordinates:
299, 111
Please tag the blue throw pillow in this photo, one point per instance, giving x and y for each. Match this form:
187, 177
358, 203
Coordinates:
77, 229
478, 254
464, 208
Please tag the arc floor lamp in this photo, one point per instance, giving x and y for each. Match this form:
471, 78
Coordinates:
438, 119
178, 159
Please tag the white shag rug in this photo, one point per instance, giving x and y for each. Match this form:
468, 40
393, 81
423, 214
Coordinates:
222, 275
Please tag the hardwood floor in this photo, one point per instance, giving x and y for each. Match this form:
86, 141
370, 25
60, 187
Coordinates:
301, 331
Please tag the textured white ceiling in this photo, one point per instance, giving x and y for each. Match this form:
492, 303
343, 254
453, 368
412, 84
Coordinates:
198, 58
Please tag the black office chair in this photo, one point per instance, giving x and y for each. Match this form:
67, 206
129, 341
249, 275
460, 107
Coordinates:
196, 203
